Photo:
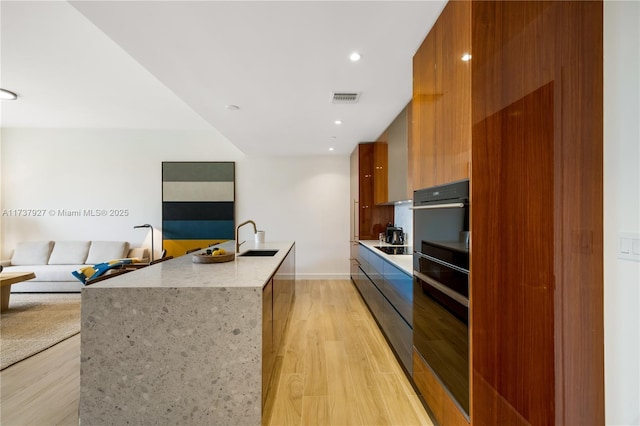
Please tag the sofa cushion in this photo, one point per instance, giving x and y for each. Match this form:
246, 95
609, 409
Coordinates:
104, 251
140, 253
69, 253
32, 253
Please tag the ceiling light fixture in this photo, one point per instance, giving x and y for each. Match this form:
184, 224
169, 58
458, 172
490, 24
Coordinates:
355, 57
8, 95
331, 149
338, 122
232, 107
466, 57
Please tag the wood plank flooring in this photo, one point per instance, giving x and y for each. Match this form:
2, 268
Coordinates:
44, 389
335, 368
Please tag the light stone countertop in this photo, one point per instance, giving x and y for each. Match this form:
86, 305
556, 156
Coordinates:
182, 272
402, 261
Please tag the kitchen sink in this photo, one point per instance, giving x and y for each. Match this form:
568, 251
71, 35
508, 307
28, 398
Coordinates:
261, 253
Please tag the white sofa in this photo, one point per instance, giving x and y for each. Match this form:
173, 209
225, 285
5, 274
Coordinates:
53, 261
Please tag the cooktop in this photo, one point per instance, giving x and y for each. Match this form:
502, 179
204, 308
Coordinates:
395, 250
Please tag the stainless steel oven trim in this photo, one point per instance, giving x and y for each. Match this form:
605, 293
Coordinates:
442, 262
442, 288
438, 206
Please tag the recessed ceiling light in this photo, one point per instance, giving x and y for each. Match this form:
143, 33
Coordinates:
355, 57
232, 107
338, 122
466, 57
331, 149
8, 95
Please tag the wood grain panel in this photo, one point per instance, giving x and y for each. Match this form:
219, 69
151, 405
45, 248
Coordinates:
579, 238
453, 81
536, 213
440, 403
410, 142
422, 142
372, 219
380, 172
513, 332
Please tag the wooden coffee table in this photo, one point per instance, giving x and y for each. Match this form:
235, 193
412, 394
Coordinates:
8, 278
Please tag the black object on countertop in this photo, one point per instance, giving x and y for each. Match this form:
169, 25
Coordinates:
395, 250
394, 235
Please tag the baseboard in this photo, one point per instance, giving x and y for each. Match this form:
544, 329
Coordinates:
346, 276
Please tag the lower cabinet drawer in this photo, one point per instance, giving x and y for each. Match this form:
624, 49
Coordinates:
398, 332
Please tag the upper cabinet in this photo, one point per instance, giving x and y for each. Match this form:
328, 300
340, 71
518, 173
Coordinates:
368, 165
380, 163
397, 141
440, 144
395, 159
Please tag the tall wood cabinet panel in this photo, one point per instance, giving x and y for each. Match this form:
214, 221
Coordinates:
368, 219
536, 214
440, 143
380, 173
422, 142
453, 81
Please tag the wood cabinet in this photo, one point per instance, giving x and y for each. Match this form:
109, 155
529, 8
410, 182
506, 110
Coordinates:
525, 123
283, 293
277, 299
380, 162
368, 219
268, 351
536, 214
441, 117
422, 143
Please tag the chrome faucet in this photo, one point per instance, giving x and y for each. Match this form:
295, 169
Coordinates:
255, 230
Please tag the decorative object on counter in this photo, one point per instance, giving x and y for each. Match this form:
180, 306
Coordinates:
146, 225
259, 237
89, 273
216, 255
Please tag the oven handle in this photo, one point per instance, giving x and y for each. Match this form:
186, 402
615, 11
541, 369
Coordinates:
442, 262
438, 206
442, 288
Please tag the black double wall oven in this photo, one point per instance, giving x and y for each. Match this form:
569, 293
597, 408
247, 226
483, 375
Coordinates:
441, 285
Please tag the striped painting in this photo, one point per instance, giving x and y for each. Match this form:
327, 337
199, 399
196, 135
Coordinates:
197, 205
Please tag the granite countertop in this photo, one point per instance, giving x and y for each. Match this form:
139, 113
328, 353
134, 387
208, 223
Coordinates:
181, 272
402, 261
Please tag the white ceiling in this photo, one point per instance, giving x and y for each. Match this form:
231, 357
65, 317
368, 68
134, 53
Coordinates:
175, 65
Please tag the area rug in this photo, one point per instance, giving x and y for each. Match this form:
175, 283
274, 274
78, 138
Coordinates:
35, 322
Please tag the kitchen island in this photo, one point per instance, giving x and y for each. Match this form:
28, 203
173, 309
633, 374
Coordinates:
181, 342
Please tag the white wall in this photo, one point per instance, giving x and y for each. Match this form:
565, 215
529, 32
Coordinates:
305, 199
621, 210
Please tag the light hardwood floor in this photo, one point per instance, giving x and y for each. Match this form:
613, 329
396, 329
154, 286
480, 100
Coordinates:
335, 368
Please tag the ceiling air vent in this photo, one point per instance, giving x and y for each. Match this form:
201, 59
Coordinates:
345, 97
